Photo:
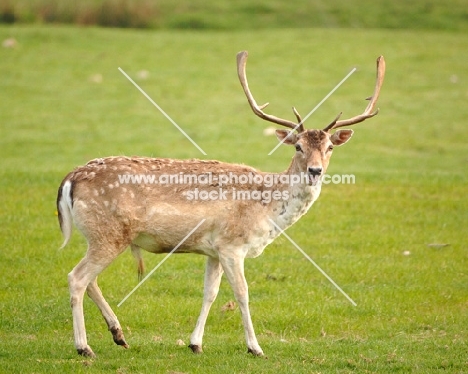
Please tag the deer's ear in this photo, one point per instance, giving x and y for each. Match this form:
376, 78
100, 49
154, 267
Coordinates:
286, 136
341, 136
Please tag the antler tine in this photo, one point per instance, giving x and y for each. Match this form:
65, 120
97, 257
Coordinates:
332, 123
369, 111
299, 120
241, 62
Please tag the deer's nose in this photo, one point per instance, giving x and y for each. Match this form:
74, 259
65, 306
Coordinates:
315, 171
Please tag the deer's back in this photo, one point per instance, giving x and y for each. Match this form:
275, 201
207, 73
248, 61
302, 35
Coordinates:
157, 216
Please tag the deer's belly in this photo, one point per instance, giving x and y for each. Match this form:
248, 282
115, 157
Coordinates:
156, 244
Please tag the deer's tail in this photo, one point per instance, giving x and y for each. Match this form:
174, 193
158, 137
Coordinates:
64, 210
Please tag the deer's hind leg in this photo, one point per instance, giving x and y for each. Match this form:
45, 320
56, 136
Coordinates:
83, 278
94, 292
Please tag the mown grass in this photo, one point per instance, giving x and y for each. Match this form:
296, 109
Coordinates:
63, 102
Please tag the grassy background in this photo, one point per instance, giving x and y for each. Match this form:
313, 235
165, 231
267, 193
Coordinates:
242, 14
63, 101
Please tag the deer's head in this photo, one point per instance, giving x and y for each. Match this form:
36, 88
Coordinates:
313, 147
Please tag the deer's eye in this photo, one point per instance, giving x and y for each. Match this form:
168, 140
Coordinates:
298, 148
330, 148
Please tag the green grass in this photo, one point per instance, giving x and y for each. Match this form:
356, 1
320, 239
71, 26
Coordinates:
410, 165
242, 14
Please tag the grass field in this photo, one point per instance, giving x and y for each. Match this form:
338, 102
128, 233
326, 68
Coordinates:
63, 101
445, 15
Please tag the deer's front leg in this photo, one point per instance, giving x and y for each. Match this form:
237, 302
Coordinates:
234, 269
213, 274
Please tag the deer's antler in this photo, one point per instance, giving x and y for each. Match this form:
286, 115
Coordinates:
369, 111
258, 110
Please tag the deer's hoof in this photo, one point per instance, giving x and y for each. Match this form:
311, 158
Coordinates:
197, 349
118, 337
255, 352
86, 352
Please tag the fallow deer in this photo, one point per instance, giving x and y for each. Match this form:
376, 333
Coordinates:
155, 217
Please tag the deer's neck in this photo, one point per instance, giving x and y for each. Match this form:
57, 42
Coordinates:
301, 196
